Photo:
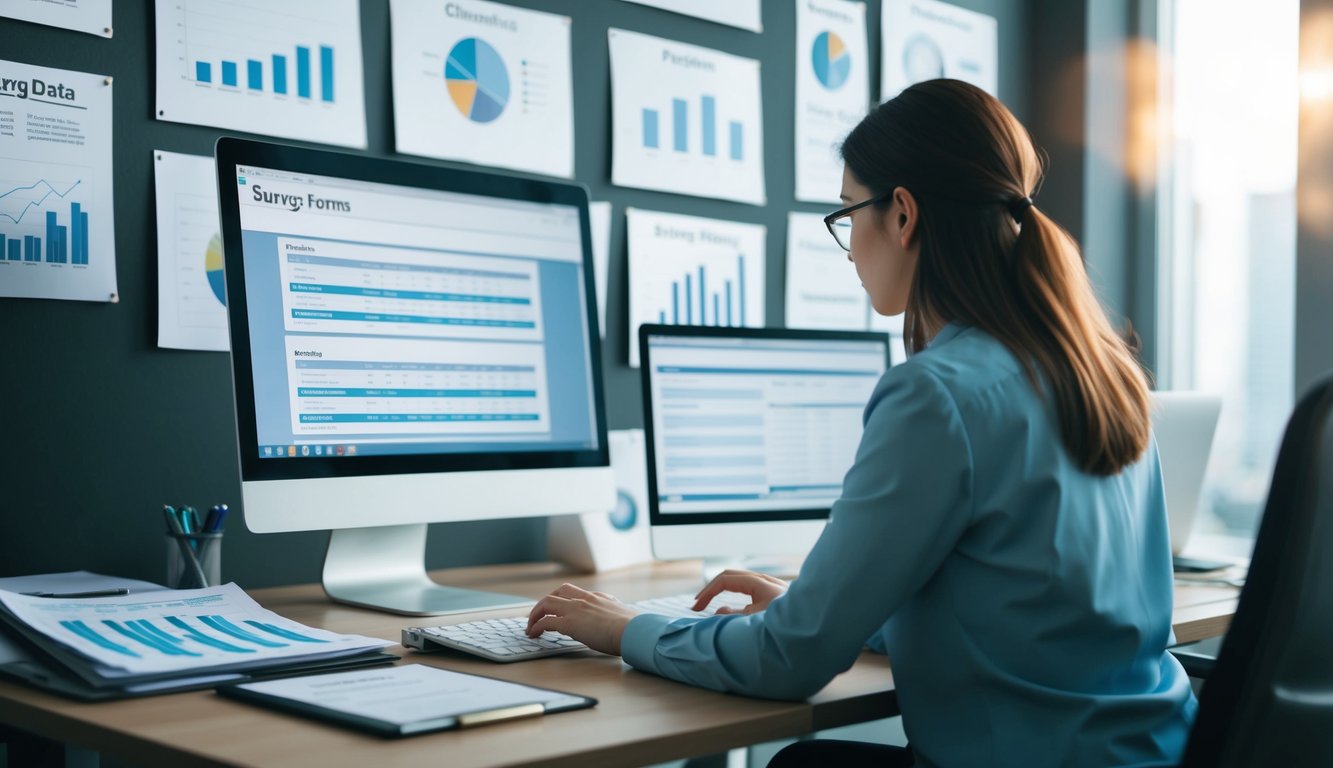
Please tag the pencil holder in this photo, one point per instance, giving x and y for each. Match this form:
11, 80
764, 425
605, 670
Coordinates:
194, 560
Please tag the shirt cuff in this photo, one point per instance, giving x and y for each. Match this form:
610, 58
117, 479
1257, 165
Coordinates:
638, 643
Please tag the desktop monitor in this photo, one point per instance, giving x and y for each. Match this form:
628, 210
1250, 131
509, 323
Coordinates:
750, 432
410, 344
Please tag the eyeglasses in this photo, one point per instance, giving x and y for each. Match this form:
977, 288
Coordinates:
839, 222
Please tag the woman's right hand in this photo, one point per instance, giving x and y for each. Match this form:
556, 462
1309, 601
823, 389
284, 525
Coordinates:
761, 588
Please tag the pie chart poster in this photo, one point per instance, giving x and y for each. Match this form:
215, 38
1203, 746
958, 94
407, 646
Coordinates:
832, 91
484, 83
925, 39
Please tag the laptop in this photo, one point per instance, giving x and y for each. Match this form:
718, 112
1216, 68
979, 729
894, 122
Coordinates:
1184, 424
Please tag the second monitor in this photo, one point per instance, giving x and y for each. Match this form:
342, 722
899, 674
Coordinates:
749, 434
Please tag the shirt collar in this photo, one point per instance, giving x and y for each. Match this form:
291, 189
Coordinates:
946, 333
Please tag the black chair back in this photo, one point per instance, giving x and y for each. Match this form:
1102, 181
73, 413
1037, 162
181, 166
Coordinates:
1269, 699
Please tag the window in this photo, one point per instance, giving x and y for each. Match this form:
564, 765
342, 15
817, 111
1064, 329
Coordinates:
1227, 236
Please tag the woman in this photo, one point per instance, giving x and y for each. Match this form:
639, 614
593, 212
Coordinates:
1002, 533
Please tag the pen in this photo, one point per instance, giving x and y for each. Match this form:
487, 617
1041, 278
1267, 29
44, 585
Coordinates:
187, 551
91, 593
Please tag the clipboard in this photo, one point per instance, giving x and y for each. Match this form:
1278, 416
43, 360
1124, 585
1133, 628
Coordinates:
405, 700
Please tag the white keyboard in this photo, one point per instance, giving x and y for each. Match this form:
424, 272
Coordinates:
506, 639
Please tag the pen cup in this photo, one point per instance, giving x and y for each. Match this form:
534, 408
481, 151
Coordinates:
194, 560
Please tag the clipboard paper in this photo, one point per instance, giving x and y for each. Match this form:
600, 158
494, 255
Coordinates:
405, 700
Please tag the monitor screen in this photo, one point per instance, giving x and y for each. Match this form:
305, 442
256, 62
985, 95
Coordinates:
752, 425
397, 321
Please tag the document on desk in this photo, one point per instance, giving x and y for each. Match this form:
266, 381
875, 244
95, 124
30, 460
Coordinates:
406, 700
171, 632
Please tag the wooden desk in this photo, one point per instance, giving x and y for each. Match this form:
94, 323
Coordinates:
640, 719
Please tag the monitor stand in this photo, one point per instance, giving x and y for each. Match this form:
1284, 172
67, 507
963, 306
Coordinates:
385, 569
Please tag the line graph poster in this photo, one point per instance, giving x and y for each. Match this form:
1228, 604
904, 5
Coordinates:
484, 83
688, 270
191, 296
272, 67
832, 91
57, 239
685, 119
91, 16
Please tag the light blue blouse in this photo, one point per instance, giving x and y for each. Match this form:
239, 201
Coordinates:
1025, 604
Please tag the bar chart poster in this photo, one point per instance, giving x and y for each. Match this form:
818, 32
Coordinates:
685, 119
687, 270
57, 236
91, 16
823, 290
273, 67
926, 39
191, 295
484, 83
832, 91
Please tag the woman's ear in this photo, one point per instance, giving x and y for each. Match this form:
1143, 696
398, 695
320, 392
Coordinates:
908, 216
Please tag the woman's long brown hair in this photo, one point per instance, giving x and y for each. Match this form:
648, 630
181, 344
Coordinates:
969, 163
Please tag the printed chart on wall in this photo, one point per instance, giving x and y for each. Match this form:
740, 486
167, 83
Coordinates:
191, 294
733, 13
687, 270
484, 83
91, 16
276, 67
685, 119
832, 91
57, 238
925, 39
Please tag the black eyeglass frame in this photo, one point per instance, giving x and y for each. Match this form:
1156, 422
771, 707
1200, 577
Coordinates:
843, 213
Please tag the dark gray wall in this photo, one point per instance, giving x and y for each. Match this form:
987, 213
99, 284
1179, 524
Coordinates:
101, 428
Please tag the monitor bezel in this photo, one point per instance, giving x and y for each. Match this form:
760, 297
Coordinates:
232, 152
655, 516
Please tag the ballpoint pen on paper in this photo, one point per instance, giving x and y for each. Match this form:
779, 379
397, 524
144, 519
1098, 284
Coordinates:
115, 592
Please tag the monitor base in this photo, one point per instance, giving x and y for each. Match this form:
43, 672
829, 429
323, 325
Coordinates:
384, 569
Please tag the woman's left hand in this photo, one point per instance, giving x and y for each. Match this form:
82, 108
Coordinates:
595, 619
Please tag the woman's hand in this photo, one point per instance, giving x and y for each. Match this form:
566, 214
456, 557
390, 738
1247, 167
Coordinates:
595, 619
761, 588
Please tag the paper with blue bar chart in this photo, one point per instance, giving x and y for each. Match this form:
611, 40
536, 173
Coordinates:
832, 91
278, 67
57, 238
685, 119
217, 628
688, 270
484, 83
191, 296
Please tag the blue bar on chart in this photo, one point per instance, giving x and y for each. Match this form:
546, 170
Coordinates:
728, 284
675, 303
229, 73
32, 248
15, 247
680, 118
703, 300
689, 309
661, 317
279, 74
737, 135
709, 126
79, 232
326, 73
303, 71
716, 311
203, 72
55, 241
650, 129
740, 286
254, 75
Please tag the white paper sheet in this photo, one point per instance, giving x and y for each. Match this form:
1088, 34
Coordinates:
687, 270
926, 39
599, 215
823, 290
56, 204
176, 630
278, 68
485, 83
408, 694
733, 13
91, 16
191, 297
685, 119
832, 91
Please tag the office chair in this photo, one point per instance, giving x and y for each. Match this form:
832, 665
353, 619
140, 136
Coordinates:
1269, 697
